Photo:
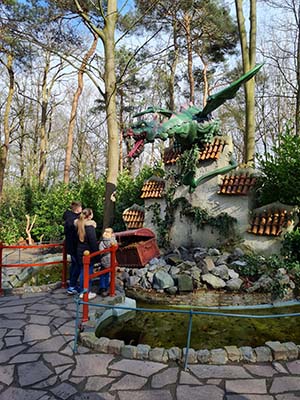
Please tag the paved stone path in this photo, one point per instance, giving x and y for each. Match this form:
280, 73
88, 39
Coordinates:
37, 363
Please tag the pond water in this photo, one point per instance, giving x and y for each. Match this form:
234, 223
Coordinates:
208, 332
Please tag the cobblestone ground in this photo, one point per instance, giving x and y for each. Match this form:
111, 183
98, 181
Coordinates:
37, 363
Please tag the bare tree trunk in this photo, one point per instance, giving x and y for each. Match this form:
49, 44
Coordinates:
111, 111
70, 134
6, 123
43, 133
248, 56
107, 36
187, 26
122, 127
298, 74
205, 82
171, 84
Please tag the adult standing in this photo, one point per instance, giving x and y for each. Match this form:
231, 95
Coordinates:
71, 244
87, 240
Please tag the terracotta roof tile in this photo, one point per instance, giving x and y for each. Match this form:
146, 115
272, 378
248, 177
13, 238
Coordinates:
270, 223
212, 150
171, 156
239, 184
153, 189
134, 217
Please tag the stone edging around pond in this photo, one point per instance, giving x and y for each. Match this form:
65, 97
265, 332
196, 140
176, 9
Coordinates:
271, 351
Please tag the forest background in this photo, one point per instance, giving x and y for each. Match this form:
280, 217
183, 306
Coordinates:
73, 73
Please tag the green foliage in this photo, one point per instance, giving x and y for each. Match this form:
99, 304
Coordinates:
161, 224
91, 193
280, 179
291, 245
128, 193
49, 204
12, 216
270, 267
223, 222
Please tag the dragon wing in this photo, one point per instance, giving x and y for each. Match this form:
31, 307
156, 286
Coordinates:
219, 98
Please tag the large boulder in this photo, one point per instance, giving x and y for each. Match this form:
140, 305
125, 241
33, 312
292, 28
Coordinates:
221, 271
185, 283
234, 284
162, 280
213, 281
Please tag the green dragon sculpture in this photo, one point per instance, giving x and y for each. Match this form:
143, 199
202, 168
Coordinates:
190, 127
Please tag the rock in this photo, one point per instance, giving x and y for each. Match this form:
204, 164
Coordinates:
263, 354
145, 284
199, 256
186, 265
173, 259
214, 252
185, 253
247, 354
173, 271
213, 281
238, 263
222, 259
158, 354
129, 351
191, 356
279, 351
149, 276
195, 273
208, 265
185, 283
234, 284
238, 253
221, 271
292, 350
153, 268
141, 272
162, 280
172, 290
174, 353
203, 356
233, 353
218, 356
232, 274
133, 281
142, 351
115, 346
154, 261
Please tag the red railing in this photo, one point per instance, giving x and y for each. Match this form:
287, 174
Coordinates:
87, 276
64, 261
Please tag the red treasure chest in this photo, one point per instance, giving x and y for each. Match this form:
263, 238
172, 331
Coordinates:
136, 247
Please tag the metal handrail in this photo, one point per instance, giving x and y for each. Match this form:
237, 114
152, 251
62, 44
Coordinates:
64, 260
87, 257
191, 312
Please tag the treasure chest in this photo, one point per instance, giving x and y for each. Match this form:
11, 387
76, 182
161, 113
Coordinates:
136, 247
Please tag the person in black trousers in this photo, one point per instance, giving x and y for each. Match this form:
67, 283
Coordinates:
71, 244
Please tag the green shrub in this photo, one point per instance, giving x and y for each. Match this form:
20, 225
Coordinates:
291, 245
280, 180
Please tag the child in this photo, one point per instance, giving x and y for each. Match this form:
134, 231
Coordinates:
108, 240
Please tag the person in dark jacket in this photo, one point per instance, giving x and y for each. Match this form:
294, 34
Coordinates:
71, 244
86, 240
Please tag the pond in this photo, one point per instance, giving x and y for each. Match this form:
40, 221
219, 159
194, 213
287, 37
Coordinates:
208, 332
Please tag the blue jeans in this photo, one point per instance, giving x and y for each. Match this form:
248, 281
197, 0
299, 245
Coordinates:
104, 281
91, 270
74, 271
